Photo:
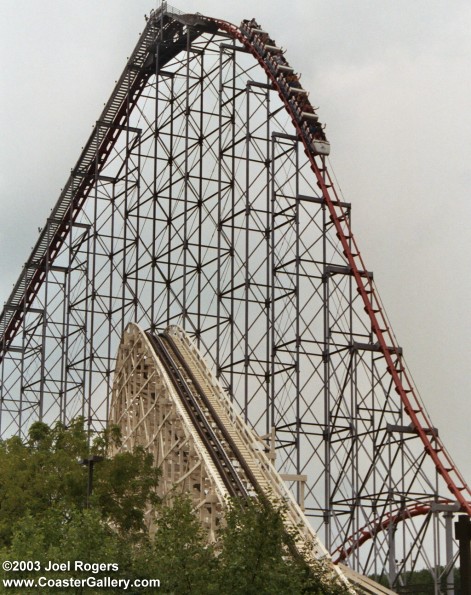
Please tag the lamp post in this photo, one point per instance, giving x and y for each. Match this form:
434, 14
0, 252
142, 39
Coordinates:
90, 462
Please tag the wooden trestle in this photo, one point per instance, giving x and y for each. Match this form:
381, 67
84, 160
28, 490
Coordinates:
166, 399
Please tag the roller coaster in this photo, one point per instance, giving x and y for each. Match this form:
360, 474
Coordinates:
166, 399
203, 201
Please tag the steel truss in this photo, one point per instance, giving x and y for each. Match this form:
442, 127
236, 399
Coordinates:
203, 199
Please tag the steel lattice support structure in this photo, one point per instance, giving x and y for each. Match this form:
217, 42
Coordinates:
203, 199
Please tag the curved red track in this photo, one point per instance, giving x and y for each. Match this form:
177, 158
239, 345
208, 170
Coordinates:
369, 532
402, 383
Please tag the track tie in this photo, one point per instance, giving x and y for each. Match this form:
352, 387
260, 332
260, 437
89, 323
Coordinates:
354, 254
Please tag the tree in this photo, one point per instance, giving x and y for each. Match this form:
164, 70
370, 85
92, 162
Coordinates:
43, 473
180, 555
44, 517
259, 557
45, 514
252, 555
68, 538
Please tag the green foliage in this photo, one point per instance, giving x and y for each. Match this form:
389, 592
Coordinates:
253, 554
259, 557
181, 557
253, 557
123, 486
44, 473
64, 538
45, 515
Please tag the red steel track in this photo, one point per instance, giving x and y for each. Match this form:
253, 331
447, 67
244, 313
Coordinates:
369, 532
413, 405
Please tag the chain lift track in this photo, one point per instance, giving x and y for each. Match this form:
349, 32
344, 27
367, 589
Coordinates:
113, 120
56, 347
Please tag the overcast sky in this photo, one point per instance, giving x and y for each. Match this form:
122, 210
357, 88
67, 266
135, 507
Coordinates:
392, 79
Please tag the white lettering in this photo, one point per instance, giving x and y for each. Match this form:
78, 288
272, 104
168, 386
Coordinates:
56, 566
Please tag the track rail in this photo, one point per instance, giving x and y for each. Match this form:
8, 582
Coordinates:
217, 441
368, 532
249, 35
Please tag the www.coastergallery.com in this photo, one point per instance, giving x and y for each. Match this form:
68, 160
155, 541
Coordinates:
91, 581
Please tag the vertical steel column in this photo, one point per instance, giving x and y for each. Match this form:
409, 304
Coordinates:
232, 240
392, 574
219, 222
272, 279
247, 250
326, 430
171, 241
42, 372
91, 294
130, 145
153, 253
111, 292
297, 338
200, 206
22, 375
270, 428
185, 273
463, 535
